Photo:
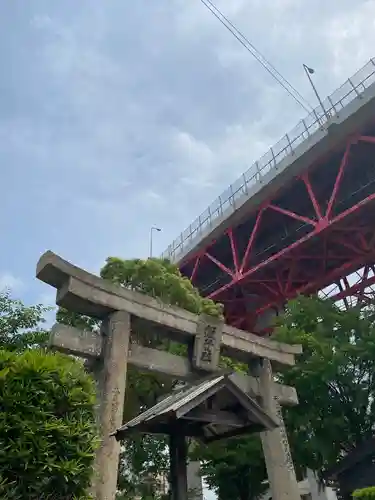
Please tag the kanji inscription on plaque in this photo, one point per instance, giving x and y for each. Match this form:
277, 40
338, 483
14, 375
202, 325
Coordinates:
207, 344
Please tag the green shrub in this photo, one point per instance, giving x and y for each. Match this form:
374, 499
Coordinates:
365, 493
47, 426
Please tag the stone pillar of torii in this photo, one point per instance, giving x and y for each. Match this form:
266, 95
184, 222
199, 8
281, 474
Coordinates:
112, 348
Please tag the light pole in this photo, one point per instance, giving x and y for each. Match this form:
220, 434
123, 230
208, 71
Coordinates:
153, 228
309, 71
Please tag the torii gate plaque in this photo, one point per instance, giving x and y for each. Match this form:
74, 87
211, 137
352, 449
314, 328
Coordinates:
121, 310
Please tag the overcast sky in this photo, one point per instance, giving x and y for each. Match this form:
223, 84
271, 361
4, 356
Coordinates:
118, 115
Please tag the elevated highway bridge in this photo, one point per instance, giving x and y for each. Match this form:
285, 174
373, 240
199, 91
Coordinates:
300, 220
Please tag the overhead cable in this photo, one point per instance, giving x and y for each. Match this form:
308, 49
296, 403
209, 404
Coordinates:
268, 66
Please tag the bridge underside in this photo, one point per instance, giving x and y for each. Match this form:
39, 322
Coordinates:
312, 234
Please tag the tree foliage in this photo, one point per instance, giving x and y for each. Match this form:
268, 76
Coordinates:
47, 422
160, 279
47, 426
20, 325
334, 379
234, 468
365, 493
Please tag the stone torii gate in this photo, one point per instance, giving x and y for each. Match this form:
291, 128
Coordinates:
123, 311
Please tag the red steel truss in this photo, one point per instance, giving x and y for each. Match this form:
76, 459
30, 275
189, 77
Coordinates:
356, 289
338, 245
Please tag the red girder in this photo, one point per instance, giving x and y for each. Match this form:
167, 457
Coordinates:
293, 215
251, 242
306, 180
366, 138
220, 265
336, 246
322, 225
195, 268
361, 288
336, 186
313, 286
234, 250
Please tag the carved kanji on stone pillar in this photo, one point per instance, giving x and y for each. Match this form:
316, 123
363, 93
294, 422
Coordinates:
207, 344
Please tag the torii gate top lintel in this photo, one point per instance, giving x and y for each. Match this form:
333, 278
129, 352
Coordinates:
85, 293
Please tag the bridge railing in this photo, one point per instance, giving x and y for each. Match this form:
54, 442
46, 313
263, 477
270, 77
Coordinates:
315, 120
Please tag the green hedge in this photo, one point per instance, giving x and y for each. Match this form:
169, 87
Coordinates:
47, 426
365, 493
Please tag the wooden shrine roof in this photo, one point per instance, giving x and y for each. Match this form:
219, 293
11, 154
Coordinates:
210, 409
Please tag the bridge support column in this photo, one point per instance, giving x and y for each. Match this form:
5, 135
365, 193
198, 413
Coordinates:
280, 468
111, 382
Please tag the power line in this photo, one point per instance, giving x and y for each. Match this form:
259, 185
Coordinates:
245, 42
256, 53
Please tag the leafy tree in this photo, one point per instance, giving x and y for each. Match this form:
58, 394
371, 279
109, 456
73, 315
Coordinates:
20, 325
234, 468
47, 426
334, 379
160, 279
145, 456
47, 422
365, 493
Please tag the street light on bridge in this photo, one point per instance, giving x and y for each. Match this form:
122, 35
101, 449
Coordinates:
152, 229
310, 71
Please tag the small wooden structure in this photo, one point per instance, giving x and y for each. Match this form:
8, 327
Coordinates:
122, 313
208, 410
356, 470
